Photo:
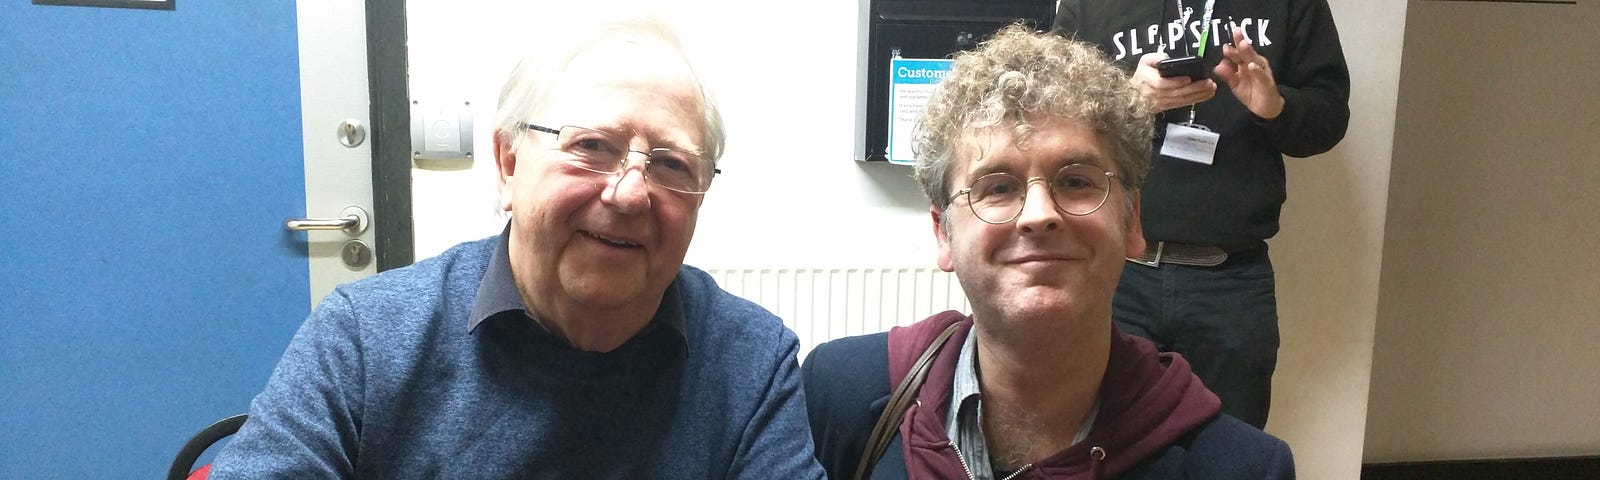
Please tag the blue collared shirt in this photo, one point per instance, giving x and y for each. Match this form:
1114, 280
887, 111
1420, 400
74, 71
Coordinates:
964, 423
498, 295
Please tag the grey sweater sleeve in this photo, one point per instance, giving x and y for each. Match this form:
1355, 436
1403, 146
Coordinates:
777, 440
305, 424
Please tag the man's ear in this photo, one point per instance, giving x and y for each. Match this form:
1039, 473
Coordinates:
946, 262
1135, 228
505, 162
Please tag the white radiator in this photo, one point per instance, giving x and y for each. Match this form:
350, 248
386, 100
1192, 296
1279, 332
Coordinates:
822, 304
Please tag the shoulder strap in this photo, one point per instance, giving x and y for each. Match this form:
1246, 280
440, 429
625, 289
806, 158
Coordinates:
899, 401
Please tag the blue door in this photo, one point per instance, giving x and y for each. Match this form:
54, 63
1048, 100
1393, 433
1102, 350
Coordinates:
147, 288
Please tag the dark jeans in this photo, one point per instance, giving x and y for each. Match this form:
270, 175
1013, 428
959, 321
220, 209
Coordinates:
1222, 319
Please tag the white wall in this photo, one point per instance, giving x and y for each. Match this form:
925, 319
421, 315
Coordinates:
459, 53
790, 193
793, 196
1329, 254
1487, 334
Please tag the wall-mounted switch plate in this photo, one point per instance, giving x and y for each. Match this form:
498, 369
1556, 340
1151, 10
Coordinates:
441, 130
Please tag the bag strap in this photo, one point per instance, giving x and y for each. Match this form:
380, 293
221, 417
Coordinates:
899, 401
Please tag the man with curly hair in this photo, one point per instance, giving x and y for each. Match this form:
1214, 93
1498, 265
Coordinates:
1031, 153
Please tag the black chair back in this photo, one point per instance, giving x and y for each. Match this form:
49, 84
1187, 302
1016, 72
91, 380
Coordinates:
183, 464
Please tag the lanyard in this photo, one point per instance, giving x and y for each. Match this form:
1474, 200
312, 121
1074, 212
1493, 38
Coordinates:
1205, 35
1205, 25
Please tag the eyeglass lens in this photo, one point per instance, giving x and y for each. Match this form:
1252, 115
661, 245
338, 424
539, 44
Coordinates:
1078, 189
602, 152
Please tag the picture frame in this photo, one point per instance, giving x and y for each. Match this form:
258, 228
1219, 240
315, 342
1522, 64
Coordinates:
139, 4
1544, 2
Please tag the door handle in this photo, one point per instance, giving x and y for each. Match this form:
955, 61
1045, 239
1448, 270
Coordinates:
353, 220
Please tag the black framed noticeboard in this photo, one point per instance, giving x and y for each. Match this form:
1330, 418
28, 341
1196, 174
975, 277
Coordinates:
144, 4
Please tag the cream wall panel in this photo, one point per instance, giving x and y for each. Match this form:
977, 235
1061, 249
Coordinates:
1487, 331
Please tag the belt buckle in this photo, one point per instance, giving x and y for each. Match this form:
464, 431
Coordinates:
1154, 262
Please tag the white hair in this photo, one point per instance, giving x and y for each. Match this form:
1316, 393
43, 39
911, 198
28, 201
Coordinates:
527, 91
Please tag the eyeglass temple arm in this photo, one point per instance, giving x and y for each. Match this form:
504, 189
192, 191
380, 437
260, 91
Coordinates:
538, 128
958, 193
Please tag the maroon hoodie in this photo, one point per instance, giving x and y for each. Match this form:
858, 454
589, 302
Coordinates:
1148, 400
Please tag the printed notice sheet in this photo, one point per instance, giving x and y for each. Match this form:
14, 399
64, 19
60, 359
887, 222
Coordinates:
911, 82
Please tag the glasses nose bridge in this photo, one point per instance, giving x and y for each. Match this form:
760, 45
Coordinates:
1028, 184
1022, 200
625, 161
1027, 191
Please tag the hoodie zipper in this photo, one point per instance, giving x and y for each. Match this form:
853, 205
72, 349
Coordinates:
968, 468
1018, 472
963, 459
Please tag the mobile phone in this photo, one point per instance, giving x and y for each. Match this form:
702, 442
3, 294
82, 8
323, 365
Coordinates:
1190, 67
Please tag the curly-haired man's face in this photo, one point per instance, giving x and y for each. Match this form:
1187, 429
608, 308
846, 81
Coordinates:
1045, 266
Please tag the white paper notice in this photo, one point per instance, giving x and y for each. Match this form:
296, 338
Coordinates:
911, 83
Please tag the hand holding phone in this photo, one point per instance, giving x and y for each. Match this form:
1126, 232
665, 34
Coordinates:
1190, 67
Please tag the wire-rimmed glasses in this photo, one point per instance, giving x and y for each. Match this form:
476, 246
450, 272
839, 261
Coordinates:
606, 153
1078, 189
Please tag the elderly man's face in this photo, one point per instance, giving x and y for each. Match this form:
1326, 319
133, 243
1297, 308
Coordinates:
1046, 265
589, 245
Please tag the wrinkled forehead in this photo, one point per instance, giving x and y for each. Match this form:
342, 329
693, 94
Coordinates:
631, 87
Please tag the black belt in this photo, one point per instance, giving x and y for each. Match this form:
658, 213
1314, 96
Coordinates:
1182, 254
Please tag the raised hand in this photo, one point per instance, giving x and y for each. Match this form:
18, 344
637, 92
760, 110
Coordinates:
1249, 76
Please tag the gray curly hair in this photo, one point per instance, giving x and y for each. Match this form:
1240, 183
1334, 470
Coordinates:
1018, 73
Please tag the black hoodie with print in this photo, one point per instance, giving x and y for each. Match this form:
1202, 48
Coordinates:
1235, 201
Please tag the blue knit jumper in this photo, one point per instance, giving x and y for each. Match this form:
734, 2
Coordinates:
436, 371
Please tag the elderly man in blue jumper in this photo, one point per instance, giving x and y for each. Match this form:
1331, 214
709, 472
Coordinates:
575, 344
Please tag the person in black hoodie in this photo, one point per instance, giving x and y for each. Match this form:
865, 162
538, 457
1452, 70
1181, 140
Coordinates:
1038, 382
1272, 82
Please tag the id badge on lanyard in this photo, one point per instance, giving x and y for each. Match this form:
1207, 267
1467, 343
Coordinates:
1190, 140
